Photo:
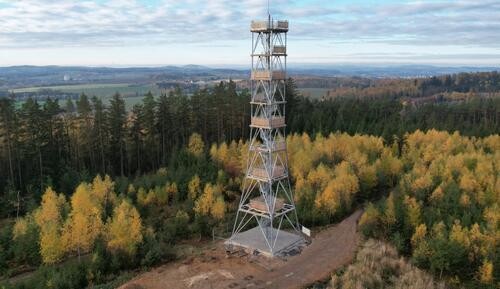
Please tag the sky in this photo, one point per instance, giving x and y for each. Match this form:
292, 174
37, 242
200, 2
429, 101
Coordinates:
216, 32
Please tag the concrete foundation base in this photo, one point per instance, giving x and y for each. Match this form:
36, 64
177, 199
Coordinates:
253, 239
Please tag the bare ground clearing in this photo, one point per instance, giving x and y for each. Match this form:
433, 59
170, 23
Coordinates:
330, 249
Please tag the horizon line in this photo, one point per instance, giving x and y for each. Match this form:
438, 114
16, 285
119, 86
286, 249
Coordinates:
243, 66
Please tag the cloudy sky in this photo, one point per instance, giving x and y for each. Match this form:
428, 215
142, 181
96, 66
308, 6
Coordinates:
216, 32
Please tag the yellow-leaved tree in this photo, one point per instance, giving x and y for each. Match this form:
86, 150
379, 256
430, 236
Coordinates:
103, 190
124, 230
486, 272
171, 192
413, 211
340, 190
49, 217
218, 209
84, 224
21, 226
142, 197
389, 217
211, 203
419, 235
196, 146
204, 202
194, 188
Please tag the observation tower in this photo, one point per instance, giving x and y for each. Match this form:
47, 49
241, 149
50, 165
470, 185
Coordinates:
266, 202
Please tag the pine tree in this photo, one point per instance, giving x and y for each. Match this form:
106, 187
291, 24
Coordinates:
8, 134
99, 131
34, 131
57, 141
69, 106
85, 142
117, 118
164, 126
136, 139
148, 123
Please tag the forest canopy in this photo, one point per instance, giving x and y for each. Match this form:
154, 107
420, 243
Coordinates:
442, 209
89, 185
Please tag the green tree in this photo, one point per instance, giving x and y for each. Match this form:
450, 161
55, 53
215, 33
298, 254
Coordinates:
148, 123
99, 131
117, 118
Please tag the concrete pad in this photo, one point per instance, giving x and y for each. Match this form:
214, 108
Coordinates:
253, 239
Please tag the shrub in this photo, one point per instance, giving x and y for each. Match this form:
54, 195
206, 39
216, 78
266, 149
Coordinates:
378, 265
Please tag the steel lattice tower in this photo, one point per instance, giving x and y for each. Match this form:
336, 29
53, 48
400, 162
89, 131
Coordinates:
266, 195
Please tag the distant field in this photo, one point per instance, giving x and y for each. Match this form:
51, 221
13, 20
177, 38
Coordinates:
103, 90
130, 101
313, 92
132, 93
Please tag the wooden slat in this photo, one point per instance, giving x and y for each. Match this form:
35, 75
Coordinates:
261, 173
268, 123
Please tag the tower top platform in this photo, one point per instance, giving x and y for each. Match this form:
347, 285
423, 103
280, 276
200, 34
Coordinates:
269, 26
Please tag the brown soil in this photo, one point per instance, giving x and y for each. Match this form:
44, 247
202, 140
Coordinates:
330, 249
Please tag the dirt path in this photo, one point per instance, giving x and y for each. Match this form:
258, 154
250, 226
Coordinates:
329, 250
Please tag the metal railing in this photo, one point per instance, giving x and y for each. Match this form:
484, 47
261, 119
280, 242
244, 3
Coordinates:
269, 25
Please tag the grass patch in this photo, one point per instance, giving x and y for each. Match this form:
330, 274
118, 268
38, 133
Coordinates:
378, 265
99, 89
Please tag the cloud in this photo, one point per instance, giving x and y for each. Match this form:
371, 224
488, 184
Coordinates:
416, 23
28, 24
31, 23
63, 23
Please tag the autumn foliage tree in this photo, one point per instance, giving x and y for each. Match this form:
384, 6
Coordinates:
194, 188
84, 224
443, 211
49, 218
124, 229
211, 203
196, 146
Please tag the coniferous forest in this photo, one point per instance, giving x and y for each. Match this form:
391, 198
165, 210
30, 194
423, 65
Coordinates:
104, 190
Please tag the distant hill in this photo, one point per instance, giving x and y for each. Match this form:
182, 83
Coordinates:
26, 76
383, 71
29, 76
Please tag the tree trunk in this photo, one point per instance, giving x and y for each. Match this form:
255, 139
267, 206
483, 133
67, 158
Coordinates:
121, 159
103, 166
9, 149
41, 166
18, 205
